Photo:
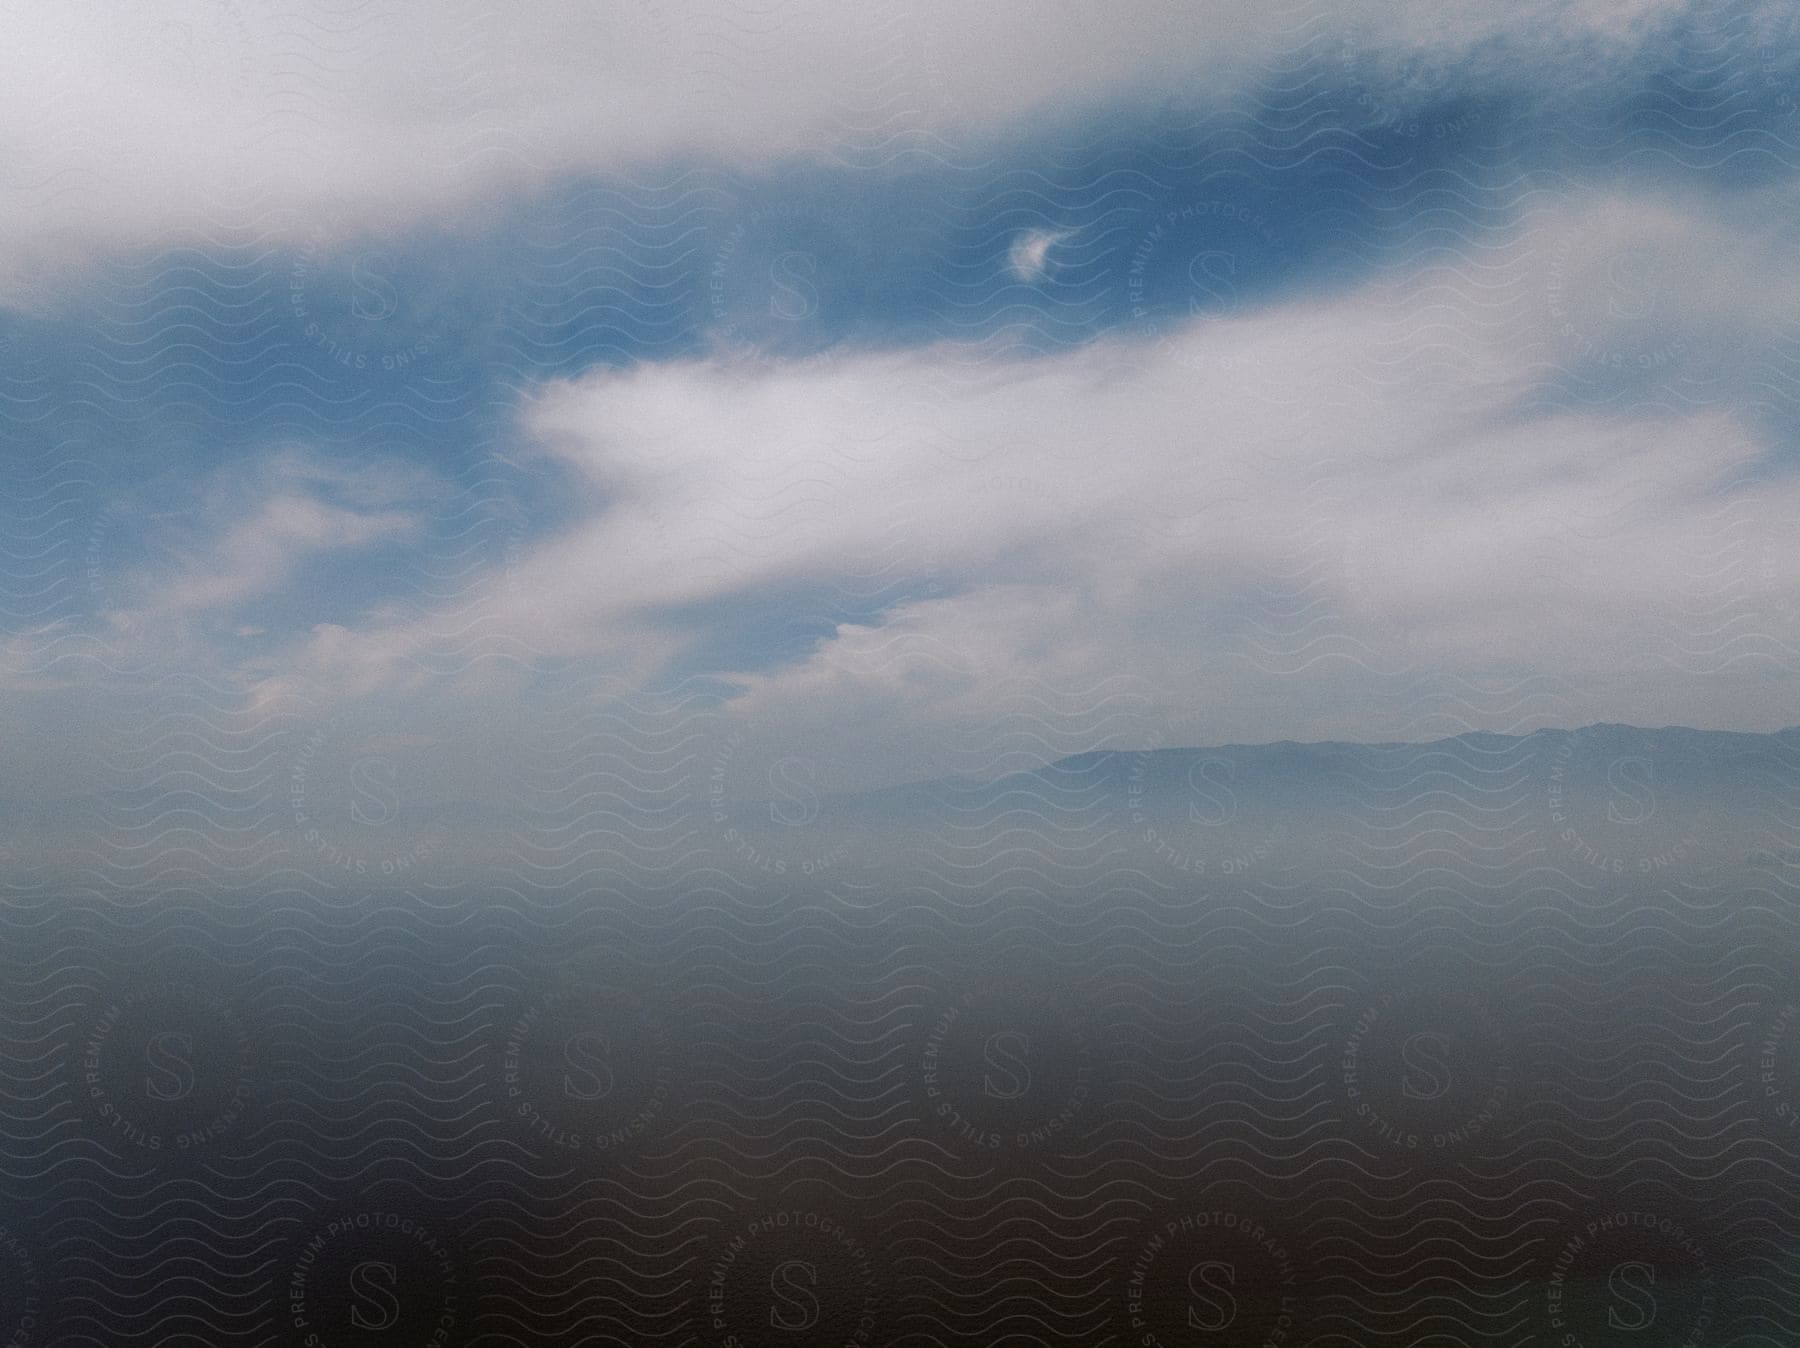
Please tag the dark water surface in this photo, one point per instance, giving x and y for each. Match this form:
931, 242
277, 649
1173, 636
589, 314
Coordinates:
988, 1095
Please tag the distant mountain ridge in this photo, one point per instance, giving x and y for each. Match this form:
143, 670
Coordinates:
1674, 745
1604, 799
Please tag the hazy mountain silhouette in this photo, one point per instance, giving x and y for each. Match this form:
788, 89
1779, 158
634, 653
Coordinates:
1603, 799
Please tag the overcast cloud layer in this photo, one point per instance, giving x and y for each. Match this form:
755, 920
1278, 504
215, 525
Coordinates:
129, 124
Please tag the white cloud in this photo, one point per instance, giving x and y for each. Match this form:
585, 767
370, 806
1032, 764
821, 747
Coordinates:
253, 530
1258, 513
128, 122
1029, 255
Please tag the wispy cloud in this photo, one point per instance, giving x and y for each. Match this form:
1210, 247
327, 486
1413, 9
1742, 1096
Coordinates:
1029, 255
253, 531
1272, 498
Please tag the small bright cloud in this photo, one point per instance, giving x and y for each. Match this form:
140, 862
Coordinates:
1029, 256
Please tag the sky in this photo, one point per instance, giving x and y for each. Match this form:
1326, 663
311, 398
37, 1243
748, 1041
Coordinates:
892, 391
